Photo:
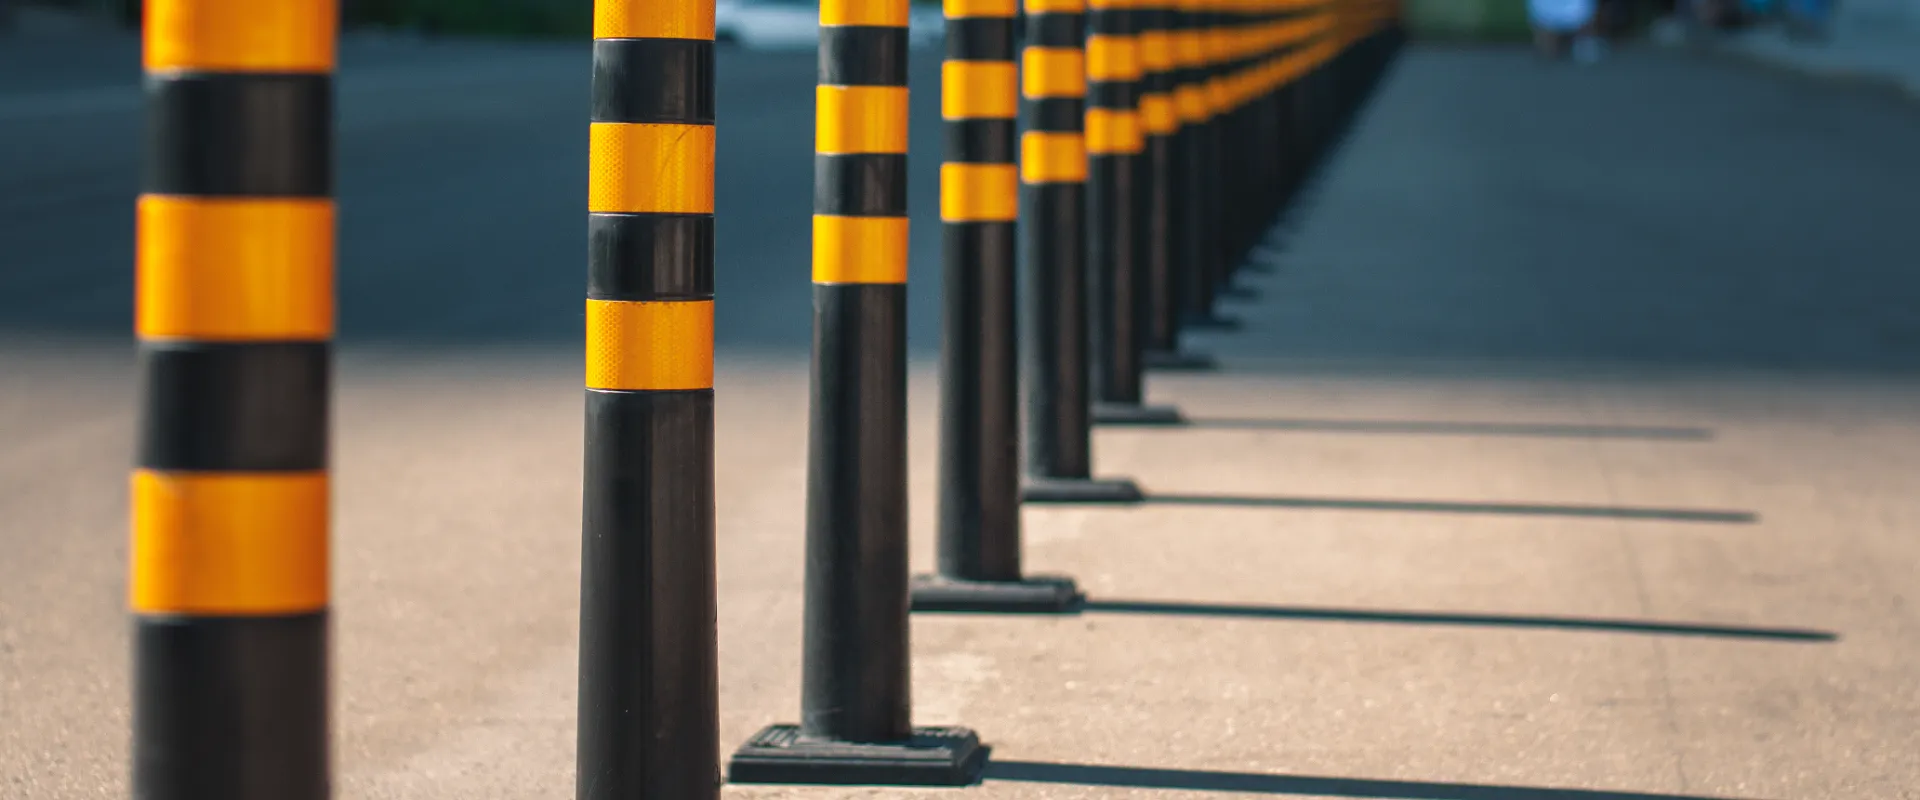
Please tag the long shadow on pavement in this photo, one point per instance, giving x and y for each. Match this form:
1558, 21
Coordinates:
1463, 428
1450, 507
1258, 783
1152, 607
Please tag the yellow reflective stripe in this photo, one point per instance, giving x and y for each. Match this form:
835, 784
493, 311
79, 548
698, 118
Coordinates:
241, 35
233, 268
859, 249
860, 119
979, 90
979, 192
228, 543
649, 345
650, 168
1050, 157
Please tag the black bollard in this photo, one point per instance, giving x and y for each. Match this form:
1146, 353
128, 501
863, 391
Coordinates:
649, 674
1163, 72
1194, 98
856, 700
1246, 157
228, 577
979, 520
1053, 170
1115, 189
1205, 249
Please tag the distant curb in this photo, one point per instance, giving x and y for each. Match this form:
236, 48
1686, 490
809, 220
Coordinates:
1868, 80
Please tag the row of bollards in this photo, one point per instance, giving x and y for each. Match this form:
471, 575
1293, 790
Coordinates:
1159, 145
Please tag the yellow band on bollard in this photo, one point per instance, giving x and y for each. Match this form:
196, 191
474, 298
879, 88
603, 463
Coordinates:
873, 13
1053, 72
979, 90
242, 544
653, 19
1157, 116
1114, 131
233, 269
969, 9
642, 168
1186, 51
979, 192
1191, 103
1156, 51
1049, 157
1113, 58
860, 119
859, 249
649, 345
241, 35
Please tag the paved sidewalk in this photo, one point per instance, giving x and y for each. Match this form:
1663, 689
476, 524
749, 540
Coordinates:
1854, 51
1566, 455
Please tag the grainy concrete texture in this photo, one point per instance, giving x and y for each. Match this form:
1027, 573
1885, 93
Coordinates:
1566, 454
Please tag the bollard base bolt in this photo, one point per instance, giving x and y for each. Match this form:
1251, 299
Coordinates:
1080, 490
1136, 414
930, 757
1035, 594
1210, 321
1179, 361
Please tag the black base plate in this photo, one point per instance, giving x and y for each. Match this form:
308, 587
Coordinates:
1080, 490
1212, 322
1136, 414
932, 757
1035, 594
1178, 361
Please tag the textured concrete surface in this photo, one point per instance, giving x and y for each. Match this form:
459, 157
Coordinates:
1564, 455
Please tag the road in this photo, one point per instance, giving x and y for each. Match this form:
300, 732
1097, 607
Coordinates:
1564, 456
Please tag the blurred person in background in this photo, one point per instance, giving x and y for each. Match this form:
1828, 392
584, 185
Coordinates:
1562, 27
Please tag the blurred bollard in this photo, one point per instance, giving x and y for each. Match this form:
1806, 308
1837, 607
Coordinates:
228, 579
1168, 161
1198, 91
855, 706
1053, 170
648, 705
1211, 33
979, 519
1116, 184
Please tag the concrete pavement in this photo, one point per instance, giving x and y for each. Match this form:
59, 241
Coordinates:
1564, 457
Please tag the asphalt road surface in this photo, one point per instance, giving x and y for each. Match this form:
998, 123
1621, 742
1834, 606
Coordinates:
1566, 455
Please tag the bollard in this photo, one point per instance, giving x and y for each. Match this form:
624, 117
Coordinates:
1243, 154
855, 705
1166, 167
979, 518
648, 705
1053, 171
1262, 121
1190, 102
228, 579
1240, 157
1115, 188
1205, 249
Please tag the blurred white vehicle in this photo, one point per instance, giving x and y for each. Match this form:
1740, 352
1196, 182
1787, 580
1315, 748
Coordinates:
795, 24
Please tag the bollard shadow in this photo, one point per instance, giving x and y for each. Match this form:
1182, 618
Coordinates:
1502, 429
1308, 785
1451, 507
1308, 614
